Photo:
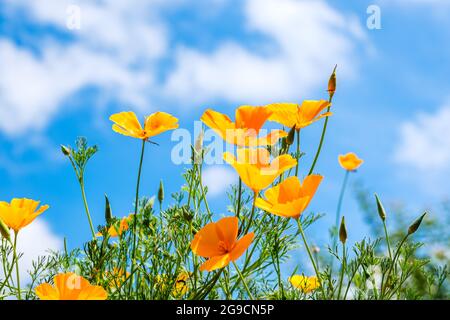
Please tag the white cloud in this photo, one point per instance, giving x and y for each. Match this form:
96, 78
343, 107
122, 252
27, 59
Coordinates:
424, 142
218, 179
33, 241
308, 37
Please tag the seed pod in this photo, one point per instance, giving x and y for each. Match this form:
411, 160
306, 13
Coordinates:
290, 137
66, 150
332, 83
108, 211
161, 192
413, 228
343, 231
381, 211
4, 230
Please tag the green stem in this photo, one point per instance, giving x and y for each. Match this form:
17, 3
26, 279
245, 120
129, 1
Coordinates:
298, 152
251, 215
387, 239
136, 207
243, 281
238, 210
205, 201
86, 207
17, 266
8, 274
319, 148
300, 228
342, 271
338, 209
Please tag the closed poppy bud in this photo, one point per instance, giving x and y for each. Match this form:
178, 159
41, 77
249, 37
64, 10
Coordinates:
65, 150
343, 231
381, 211
290, 137
108, 211
4, 230
161, 192
332, 83
413, 228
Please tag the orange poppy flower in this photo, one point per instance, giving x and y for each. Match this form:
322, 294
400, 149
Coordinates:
350, 161
306, 284
255, 169
290, 198
127, 123
218, 242
116, 230
20, 212
69, 286
244, 132
291, 114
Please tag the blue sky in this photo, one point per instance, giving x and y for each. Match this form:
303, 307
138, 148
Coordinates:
392, 106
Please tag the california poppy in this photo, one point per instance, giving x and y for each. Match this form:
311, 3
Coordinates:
245, 130
300, 116
350, 161
306, 284
255, 168
289, 198
118, 228
218, 242
70, 286
20, 212
127, 123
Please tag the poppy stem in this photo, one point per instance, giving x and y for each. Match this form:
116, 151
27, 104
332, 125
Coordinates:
17, 266
136, 206
238, 210
305, 242
243, 281
252, 214
298, 152
7, 274
342, 271
86, 207
338, 211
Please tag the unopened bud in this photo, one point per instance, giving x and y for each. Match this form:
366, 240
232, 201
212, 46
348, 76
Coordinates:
413, 228
381, 211
108, 211
161, 192
4, 230
343, 231
290, 137
332, 83
66, 150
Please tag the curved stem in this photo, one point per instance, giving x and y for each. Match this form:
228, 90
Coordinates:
342, 271
86, 207
8, 274
339, 206
205, 201
300, 228
243, 281
252, 214
17, 266
136, 207
387, 239
319, 148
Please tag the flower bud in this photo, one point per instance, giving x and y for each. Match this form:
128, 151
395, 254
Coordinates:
161, 192
343, 231
290, 137
108, 211
66, 150
332, 83
4, 230
413, 228
381, 211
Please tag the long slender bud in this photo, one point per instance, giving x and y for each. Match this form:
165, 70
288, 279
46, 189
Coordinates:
4, 230
416, 224
343, 231
381, 211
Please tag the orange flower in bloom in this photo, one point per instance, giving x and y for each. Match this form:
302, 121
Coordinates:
350, 161
306, 284
291, 114
69, 286
127, 123
243, 132
117, 229
218, 242
255, 169
20, 212
290, 198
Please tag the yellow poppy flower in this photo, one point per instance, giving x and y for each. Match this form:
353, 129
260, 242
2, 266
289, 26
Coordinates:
218, 242
350, 161
116, 230
69, 286
255, 169
127, 123
244, 132
291, 114
20, 212
289, 198
180, 286
117, 277
306, 284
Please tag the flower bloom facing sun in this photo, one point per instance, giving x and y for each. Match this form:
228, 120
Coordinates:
127, 123
69, 286
350, 161
20, 212
291, 114
305, 284
244, 132
291, 197
117, 229
218, 242
255, 168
